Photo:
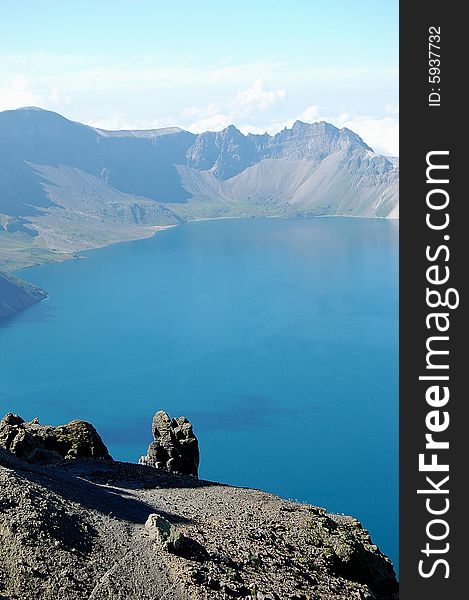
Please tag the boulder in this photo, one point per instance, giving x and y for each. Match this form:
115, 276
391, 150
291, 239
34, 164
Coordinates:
47, 444
175, 447
172, 539
162, 531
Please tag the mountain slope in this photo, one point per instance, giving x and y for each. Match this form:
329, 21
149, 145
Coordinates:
15, 295
341, 184
141, 166
65, 186
76, 524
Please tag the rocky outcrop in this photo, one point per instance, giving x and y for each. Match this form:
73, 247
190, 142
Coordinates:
175, 447
16, 295
223, 153
228, 152
350, 551
89, 529
45, 444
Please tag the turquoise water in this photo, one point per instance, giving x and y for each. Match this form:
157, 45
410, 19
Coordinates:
277, 338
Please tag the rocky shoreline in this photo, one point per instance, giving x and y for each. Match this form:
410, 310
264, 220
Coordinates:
16, 295
75, 524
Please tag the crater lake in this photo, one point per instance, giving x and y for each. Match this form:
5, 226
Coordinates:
277, 338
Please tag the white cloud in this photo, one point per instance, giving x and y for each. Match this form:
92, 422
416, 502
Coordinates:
215, 123
57, 99
18, 93
200, 112
257, 98
382, 134
19, 90
114, 122
118, 121
151, 95
392, 108
310, 114
244, 104
74, 73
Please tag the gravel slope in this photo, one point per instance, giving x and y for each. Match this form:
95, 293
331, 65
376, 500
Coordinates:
77, 530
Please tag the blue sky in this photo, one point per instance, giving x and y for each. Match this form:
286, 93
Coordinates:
258, 64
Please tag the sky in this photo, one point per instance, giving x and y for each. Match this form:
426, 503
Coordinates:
260, 65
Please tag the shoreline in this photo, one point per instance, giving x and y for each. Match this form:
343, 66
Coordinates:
393, 219
150, 231
78, 254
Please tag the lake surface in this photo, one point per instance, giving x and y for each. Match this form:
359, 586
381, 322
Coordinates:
277, 338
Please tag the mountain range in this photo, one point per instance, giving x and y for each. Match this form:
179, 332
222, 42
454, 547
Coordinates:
67, 187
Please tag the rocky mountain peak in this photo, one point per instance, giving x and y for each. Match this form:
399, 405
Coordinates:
224, 153
301, 127
231, 130
354, 139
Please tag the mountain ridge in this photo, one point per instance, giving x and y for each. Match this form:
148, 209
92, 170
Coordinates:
297, 125
66, 186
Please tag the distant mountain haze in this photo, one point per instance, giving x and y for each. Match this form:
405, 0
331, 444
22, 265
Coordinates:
66, 187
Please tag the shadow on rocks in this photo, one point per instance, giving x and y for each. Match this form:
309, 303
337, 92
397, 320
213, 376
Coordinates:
110, 501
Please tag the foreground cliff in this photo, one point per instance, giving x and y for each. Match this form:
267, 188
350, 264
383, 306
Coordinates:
94, 528
16, 295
